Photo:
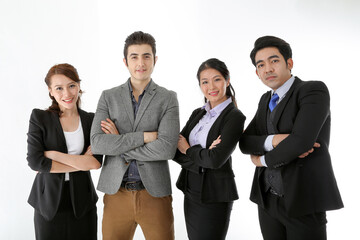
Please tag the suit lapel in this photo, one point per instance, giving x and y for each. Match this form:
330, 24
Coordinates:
126, 100
195, 121
145, 101
214, 128
262, 112
85, 127
60, 132
281, 106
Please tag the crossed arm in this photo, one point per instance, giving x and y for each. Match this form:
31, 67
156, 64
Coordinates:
142, 146
313, 101
41, 160
62, 162
214, 157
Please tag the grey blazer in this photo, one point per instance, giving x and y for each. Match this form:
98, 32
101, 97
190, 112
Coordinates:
158, 111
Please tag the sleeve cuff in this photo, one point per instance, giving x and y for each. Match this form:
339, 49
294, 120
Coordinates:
262, 160
268, 143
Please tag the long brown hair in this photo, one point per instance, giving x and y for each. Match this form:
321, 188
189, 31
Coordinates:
68, 71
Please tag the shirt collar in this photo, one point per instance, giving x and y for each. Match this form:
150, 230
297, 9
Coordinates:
281, 91
218, 109
146, 88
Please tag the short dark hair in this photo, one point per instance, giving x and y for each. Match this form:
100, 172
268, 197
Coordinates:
138, 38
220, 66
68, 71
271, 41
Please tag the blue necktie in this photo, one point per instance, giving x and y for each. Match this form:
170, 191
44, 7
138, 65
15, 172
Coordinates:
273, 100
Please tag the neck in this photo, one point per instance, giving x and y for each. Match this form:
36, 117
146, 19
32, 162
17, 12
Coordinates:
69, 112
139, 86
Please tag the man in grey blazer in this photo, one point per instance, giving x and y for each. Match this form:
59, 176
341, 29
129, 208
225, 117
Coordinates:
136, 127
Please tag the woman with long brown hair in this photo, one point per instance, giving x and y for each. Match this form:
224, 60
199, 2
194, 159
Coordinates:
63, 195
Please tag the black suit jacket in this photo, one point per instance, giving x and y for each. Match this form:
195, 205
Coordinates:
45, 133
218, 183
304, 113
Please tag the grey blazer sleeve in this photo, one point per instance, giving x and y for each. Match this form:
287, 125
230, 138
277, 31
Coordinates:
168, 132
111, 144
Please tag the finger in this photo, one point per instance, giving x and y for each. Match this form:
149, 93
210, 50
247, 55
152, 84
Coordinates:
105, 130
110, 122
311, 150
316, 144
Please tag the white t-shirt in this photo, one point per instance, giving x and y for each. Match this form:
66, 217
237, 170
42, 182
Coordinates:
74, 143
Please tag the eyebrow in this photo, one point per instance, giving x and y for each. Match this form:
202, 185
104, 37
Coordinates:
271, 57
136, 54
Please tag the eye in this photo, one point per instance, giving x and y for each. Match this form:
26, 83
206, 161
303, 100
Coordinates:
204, 82
275, 60
133, 57
217, 79
72, 86
58, 88
260, 65
147, 56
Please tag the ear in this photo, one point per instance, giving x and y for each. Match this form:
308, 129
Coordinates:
156, 58
257, 73
124, 60
228, 82
290, 63
50, 91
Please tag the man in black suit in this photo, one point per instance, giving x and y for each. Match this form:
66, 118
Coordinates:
288, 139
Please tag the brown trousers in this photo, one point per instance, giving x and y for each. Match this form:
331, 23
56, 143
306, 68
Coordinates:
124, 210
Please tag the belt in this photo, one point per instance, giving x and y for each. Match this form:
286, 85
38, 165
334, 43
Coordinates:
272, 191
133, 186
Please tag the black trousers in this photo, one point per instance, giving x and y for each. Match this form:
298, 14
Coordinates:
65, 226
276, 225
207, 221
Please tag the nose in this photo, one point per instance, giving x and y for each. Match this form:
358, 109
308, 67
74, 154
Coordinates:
211, 85
66, 92
269, 68
141, 62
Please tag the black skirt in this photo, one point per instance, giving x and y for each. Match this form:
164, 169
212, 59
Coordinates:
65, 226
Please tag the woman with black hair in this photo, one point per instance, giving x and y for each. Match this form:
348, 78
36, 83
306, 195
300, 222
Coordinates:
204, 152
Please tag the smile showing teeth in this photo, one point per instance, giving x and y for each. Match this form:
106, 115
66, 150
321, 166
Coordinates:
68, 100
213, 93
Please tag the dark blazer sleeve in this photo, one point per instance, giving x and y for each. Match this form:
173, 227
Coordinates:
98, 157
251, 141
313, 101
231, 130
36, 147
182, 159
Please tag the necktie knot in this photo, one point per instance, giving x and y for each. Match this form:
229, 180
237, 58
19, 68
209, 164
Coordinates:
273, 100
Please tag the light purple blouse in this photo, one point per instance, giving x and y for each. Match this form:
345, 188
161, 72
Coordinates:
199, 133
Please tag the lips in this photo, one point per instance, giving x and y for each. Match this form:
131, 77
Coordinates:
270, 78
214, 93
68, 100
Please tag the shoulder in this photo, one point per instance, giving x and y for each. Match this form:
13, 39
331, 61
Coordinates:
196, 112
114, 90
86, 115
40, 115
311, 85
234, 113
164, 91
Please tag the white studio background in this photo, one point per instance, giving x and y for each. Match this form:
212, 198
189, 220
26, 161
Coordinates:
90, 34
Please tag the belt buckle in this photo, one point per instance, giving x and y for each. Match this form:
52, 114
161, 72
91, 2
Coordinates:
128, 188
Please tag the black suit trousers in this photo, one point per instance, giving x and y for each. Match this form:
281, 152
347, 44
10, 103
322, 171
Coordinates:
275, 224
